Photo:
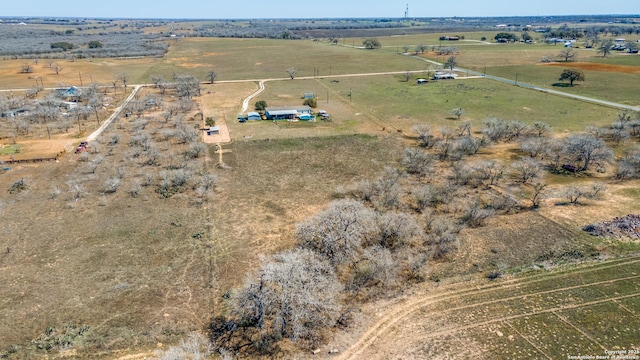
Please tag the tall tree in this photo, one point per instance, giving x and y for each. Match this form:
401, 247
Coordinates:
292, 72
451, 63
569, 54
371, 43
572, 75
124, 78
605, 47
211, 76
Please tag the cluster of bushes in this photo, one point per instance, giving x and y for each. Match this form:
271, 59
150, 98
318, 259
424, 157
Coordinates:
26, 42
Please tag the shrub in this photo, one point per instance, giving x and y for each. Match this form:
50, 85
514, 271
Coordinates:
312, 103
62, 45
261, 105
18, 186
95, 44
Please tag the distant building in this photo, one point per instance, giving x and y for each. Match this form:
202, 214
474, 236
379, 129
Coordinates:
213, 130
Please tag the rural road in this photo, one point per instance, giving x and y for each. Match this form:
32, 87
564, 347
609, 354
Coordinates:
537, 88
94, 135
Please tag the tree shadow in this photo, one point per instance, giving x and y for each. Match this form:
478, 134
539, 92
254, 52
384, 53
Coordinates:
564, 85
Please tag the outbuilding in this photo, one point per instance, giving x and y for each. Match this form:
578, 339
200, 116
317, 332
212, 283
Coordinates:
439, 75
252, 115
306, 117
213, 130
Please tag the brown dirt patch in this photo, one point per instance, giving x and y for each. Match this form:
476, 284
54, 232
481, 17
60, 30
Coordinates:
599, 67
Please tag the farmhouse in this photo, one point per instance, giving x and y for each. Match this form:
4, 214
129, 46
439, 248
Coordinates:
286, 113
72, 93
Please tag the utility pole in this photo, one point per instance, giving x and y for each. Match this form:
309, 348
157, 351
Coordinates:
80, 74
516, 79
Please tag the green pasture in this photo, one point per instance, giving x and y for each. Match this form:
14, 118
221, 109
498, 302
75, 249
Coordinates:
617, 87
595, 305
403, 104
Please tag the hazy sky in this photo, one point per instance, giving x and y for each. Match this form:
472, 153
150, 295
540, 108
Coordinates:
217, 9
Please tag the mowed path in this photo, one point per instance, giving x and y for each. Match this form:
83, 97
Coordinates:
476, 322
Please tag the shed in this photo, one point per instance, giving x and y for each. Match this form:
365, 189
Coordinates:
70, 105
421, 81
309, 95
253, 116
213, 130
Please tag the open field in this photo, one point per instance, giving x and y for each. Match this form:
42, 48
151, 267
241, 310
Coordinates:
584, 310
147, 269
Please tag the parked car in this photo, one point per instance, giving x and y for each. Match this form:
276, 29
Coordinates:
82, 147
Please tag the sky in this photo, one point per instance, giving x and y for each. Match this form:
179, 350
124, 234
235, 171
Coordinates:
243, 9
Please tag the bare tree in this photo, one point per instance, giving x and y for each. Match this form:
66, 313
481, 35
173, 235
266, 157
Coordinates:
629, 165
489, 170
26, 69
294, 295
157, 80
537, 193
574, 193
582, 150
450, 63
195, 347
425, 134
338, 232
417, 161
211, 76
457, 112
124, 78
57, 68
525, 169
292, 72
187, 86
568, 54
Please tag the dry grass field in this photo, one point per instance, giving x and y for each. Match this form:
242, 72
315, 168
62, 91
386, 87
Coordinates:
136, 268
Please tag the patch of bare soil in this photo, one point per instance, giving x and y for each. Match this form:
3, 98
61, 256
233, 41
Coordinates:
598, 67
